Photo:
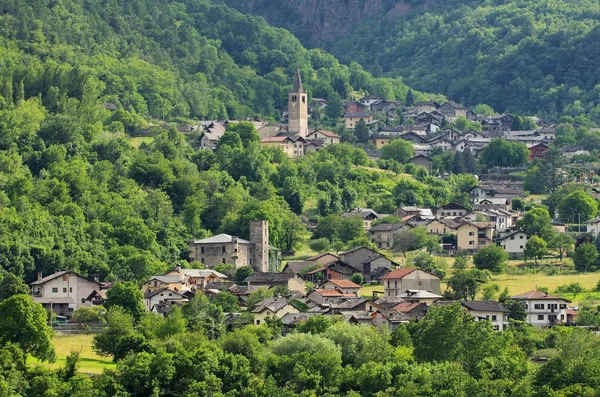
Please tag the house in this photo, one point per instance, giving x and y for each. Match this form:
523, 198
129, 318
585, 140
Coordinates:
297, 267
473, 236
441, 227
382, 235
291, 320
368, 100
488, 191
414, 310
451, 209
421, 160
324, 259
420, 296
570, 151
366, 261
491, 203
198, 277
420, 213
427, 106
223, 249
351, 118
386, 107
272, 307
398, 281
488, 311
179, 283
63, 292
537, 151
452, 111
353, 107
293, 282
328, 137
502, 219
353, 305
334, 270
293, 146
328, 296
366, 214
593, 226
346, 287
97, 297
543, 309
161, 296
319, 102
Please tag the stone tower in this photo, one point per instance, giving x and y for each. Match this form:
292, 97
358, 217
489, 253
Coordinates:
298, 108
259, 235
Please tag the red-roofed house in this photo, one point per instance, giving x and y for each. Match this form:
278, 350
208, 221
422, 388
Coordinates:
416, 310
400, 280
344, 286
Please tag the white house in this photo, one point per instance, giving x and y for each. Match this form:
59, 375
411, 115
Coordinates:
593, 226
63, 292
328, 137
160, 296
543, 309
488, 311
514, 243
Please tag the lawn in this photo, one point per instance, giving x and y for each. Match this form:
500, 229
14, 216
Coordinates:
137, 141
89, 362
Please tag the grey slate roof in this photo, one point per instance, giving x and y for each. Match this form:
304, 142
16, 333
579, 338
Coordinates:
484, 306
272, 304
386, 227
202, 273
269, 277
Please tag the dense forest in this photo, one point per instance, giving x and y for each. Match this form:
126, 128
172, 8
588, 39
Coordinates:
527, 57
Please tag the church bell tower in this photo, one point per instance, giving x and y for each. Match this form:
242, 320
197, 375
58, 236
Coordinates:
298, 108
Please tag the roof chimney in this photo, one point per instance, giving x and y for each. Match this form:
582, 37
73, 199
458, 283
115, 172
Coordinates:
39, 275
178, 269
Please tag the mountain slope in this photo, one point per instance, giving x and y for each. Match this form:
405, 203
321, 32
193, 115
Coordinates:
530, 56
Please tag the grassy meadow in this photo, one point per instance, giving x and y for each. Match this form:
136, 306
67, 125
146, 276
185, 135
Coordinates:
89, 362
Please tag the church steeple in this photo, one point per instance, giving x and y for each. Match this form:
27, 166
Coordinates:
298, 82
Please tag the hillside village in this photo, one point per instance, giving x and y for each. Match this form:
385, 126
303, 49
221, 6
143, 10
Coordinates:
329, 283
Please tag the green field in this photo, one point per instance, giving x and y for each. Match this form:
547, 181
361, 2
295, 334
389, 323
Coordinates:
137, 141
89, 362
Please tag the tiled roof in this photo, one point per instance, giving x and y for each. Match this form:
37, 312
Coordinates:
537, 295
59, 274
399, 273
329, 292
344, 283
405, 307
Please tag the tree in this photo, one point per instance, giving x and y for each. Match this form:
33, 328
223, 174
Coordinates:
357, 278
535, 248
492, 258
362, 132
335, 106
119, 338
503, 153
458, 163
25, 323
87, 316
551, 169
410, 98
490, 291
227, 302
561, 243
483, 109
469, 161
242, 273
577, 207
399, 150
466, 283
537, 222
585, 255
425, 261
127, 296
575, 289
12, 285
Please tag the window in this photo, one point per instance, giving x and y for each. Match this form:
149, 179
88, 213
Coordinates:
540, 317
294, 98
496, 328
521, 237
389, 283
494, 318
512, 237
471, 242
257, 322
64, 290
82, 300
65, 278
70, 289
471, 233
201, 250
54, 290
538, 306
201, 260
520, 246
303, 99
395, 284
223, 260
563, 306
223, 250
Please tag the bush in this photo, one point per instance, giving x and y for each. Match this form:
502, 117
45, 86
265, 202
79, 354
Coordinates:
319, 245
357, 278
492, 258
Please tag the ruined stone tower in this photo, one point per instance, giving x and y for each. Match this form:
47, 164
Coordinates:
259, 235
298, 108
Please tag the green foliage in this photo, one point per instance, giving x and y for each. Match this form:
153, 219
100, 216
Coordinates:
242, 273
319, 245
467, 283
127, 296
584, 257
577, 207
119, 338
537, 222
88, 315
25, 323
399, 150
357, 278
339, 228
427, 262
503, 153
12, 285
535, 248
492, 258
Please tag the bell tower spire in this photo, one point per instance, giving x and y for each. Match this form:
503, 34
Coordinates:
298, 108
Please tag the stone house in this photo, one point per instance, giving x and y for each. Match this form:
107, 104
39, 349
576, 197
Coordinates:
398, 281
451, 209
366, 261
226, 249
421, 160
328, 137
160, 296
178, 283
291, 281
198, 277
427, 106
272, 307
452, 111
366, 214
382, 235
346, 287
352, 118
63, 292
290, 145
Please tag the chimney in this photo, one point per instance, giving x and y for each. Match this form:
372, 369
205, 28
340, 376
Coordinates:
234, 239
178, 269
39, 275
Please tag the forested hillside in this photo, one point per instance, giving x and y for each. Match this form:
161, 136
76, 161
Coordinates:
527, 57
